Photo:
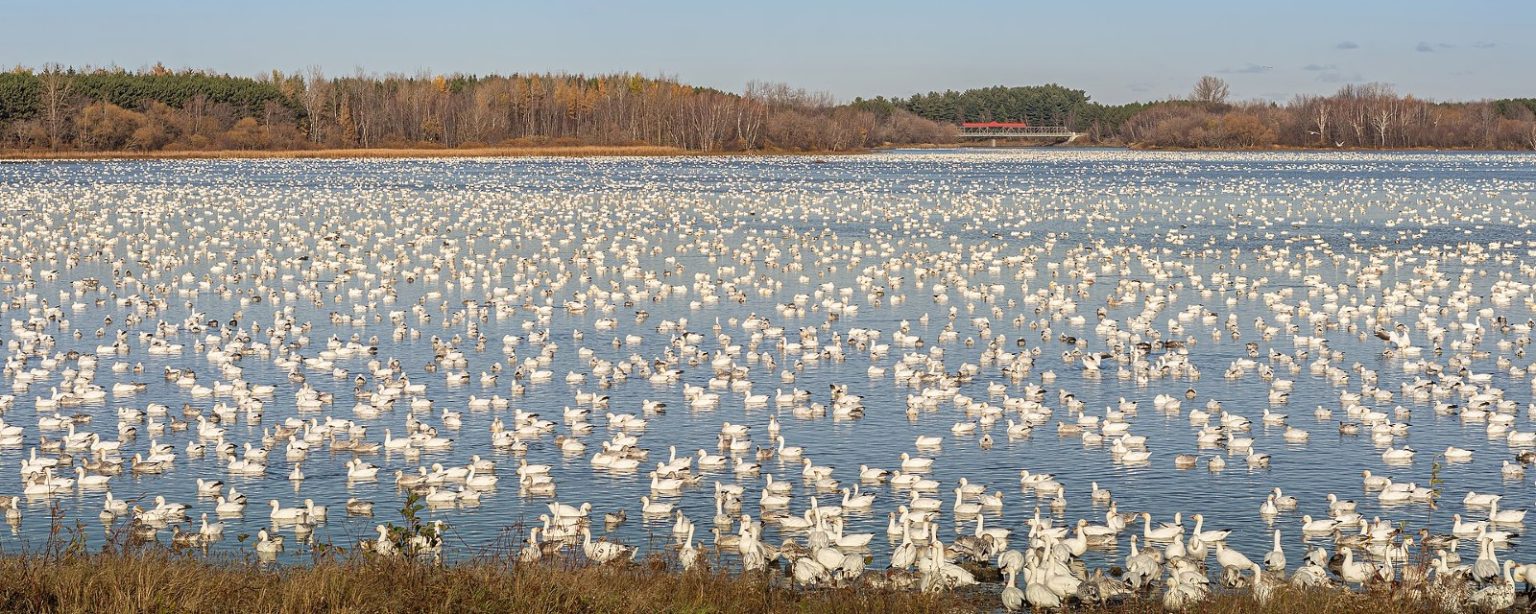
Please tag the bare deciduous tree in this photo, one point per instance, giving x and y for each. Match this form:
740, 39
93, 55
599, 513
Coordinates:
1319, 116
316, 94
1209, 89
55, 92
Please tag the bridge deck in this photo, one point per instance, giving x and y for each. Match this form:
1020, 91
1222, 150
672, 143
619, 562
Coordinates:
1030, 131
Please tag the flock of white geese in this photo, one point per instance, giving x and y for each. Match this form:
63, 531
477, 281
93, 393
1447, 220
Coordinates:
185, 341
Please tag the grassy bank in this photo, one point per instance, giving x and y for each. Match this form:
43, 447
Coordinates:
160, 581
153, 579
1327, 601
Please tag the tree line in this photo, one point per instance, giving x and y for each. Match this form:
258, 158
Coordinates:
1369, 115
1041, 105
157, 109
58, 108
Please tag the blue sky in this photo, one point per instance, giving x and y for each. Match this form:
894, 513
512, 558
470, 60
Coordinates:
1118, 51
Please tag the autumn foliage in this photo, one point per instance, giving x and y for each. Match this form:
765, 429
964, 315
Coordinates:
59, 109
55, 111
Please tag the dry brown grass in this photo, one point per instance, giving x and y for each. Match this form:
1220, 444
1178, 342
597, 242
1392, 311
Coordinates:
1285, 601
130, 575
154, 580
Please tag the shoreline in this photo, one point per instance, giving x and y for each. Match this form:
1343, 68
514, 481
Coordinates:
151, 577
624, 151
572, 151
554, 151
1152, 148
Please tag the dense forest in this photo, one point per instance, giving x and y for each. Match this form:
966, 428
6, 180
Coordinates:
65, 109
158, 109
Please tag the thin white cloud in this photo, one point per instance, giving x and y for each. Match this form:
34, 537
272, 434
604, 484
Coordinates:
1339, 77
1249, 69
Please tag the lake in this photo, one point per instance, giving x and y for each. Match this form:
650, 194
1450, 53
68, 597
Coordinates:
605, 264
